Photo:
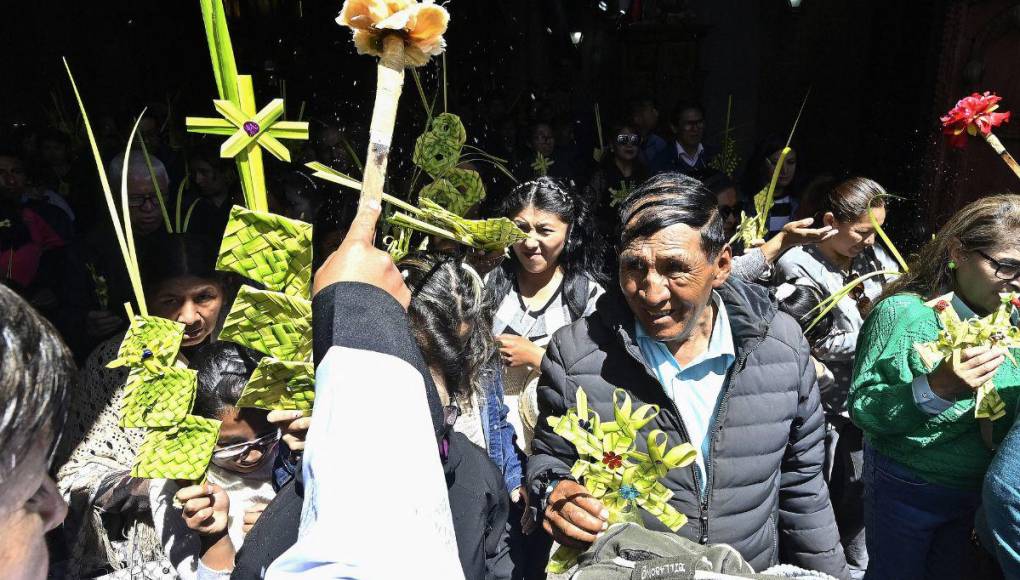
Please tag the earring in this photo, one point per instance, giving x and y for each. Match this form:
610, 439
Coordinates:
952, 265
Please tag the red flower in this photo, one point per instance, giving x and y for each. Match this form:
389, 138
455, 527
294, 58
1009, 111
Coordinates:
970, 115
941, 305
613, 460
1015, 302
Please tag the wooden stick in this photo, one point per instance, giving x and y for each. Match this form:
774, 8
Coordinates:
1000, 149
389, 85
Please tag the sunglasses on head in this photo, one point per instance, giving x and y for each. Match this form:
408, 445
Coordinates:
236, 455
628, 139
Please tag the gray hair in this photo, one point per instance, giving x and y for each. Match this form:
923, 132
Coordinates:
36, 372
137, 169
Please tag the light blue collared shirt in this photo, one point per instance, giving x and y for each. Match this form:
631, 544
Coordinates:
697, 386
924, 397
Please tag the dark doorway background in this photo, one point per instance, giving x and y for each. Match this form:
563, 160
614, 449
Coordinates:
880, 73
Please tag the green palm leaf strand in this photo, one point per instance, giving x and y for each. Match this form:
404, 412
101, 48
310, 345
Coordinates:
179, 452
159, 399
825, 306
280, 385
270, 249
488, 235
270, 322
432, 219
888, 243
765, 199
457, 190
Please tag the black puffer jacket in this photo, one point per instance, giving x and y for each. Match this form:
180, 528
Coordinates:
765, 495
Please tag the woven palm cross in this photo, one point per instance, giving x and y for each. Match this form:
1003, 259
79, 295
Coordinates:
250, 130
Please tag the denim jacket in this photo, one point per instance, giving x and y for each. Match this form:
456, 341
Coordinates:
499, 434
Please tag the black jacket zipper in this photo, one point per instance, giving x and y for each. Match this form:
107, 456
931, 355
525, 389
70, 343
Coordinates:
704, 502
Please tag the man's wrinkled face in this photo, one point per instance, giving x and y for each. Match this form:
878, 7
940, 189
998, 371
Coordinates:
668, 280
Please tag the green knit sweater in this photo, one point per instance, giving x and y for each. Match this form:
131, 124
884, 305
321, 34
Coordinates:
945, 449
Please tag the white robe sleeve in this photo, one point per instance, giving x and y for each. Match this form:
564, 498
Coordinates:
375, 504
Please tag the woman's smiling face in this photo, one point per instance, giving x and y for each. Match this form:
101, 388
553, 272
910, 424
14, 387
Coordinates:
192, 301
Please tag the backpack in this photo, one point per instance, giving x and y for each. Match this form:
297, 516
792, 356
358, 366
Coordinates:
630, 552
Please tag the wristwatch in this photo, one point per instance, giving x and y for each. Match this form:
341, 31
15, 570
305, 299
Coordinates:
551, 481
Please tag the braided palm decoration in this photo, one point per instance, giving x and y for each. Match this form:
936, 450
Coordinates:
182, 451
431, 219
280, 384
270, 322
269, 249
158, 396
276, 252
157, 399
437, 152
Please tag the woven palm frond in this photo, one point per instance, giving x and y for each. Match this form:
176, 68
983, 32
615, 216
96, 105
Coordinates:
280, 385
490, 234
457, 190
270, 322
438, 150
150, 341
179, 452
160, 399
270, 249
442, 192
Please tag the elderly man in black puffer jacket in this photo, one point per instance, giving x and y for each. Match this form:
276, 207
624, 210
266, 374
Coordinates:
731, 374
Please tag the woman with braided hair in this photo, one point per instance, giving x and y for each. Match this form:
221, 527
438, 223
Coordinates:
551, 279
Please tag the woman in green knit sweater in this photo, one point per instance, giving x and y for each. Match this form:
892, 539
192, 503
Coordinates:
925, 456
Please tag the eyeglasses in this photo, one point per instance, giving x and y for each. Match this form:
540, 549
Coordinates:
140, 200
1002, 271
628, 139
858, 295
236, 455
